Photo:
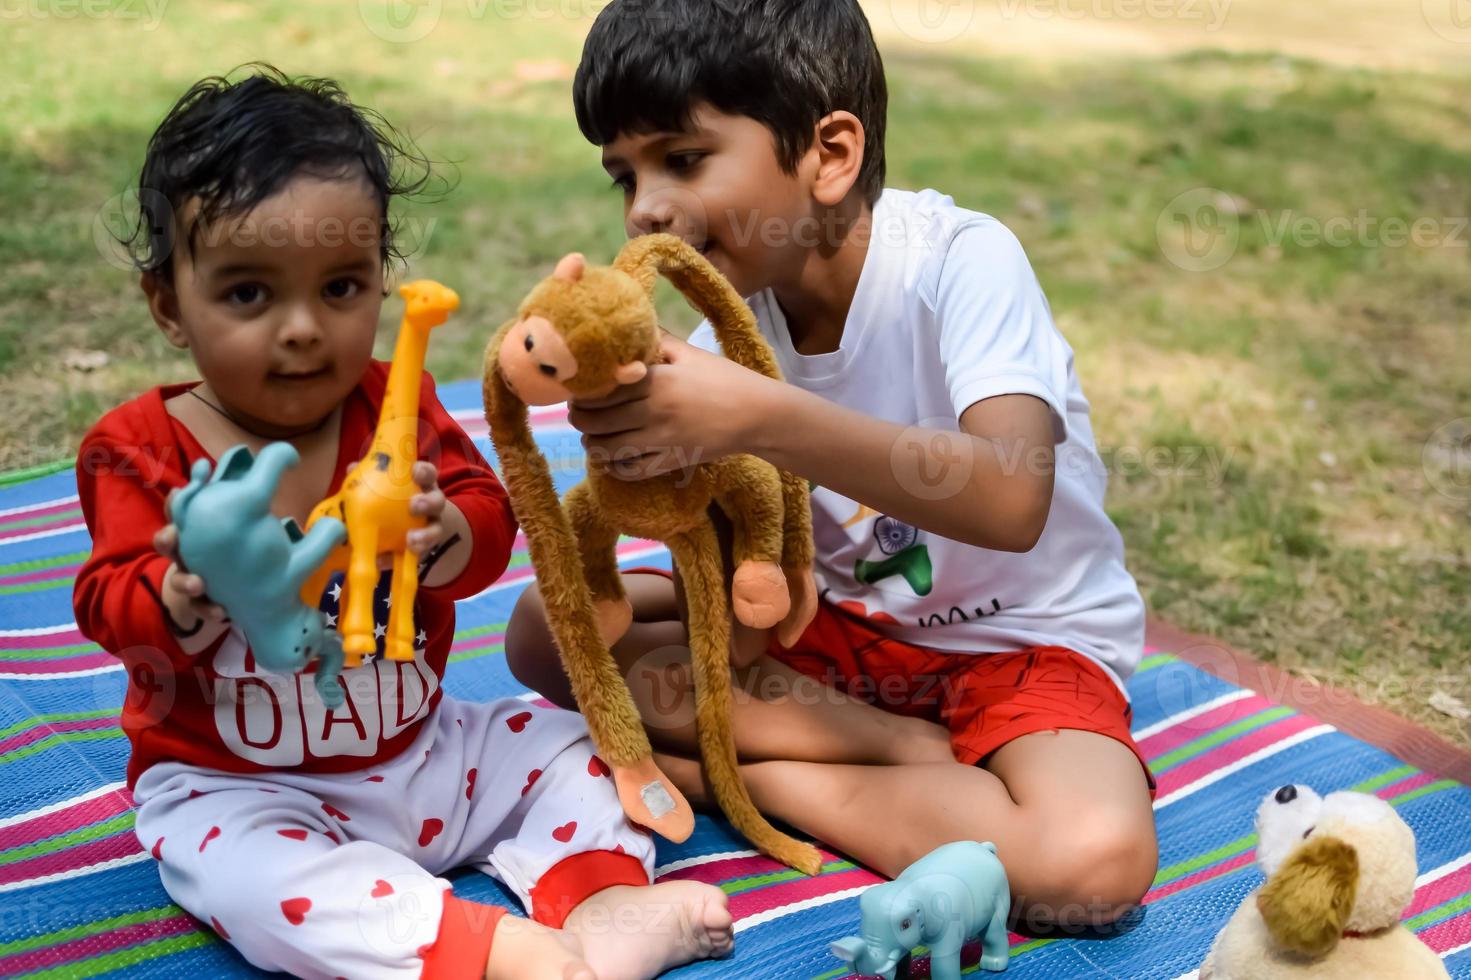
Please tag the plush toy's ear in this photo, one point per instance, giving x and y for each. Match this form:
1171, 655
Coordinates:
571, 268
1307, 902
631, 373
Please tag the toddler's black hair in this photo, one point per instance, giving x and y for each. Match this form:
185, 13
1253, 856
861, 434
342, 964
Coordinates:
232, 143
785, 63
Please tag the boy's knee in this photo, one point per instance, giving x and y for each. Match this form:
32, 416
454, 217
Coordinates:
1095, 873
529, 643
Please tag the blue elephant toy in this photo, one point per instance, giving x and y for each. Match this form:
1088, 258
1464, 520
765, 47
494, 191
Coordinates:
254, 564
955, 892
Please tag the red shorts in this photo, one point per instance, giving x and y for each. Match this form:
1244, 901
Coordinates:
985, 700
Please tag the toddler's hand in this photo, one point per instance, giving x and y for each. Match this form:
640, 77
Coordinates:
184, 593
429, 504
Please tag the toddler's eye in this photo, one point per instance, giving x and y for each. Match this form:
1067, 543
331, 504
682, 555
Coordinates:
246, 294
342, 289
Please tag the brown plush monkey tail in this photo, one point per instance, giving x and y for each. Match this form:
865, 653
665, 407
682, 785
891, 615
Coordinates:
612, 718
703, 285
697, 555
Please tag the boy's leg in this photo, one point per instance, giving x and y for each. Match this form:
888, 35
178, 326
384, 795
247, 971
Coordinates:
1069, 812
778, 712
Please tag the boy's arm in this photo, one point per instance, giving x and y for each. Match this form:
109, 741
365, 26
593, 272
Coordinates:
989, 484
479, 527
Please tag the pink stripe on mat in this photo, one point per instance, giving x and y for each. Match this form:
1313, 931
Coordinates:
1233, 751
1189, 881
64, 507
52, 525
759, 900
44, 575
1453, 885
95, 945
479, 642
81, 814
119, 845
33, 735
1405, 785
1448, 934
1162, 743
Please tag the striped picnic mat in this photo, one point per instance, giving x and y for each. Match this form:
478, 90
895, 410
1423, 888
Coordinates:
80, 897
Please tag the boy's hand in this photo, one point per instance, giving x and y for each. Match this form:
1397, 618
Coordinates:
694, 408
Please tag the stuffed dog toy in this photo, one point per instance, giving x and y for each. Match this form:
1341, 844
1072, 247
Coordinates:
1340, 873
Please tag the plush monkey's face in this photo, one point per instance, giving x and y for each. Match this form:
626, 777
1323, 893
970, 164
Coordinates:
580, 335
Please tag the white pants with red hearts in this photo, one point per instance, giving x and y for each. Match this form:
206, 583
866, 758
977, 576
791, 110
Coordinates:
335, 875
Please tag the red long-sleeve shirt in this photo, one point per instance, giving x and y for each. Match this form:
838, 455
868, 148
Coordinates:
215, 708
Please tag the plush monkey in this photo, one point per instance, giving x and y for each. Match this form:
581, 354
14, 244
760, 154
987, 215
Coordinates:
580, 335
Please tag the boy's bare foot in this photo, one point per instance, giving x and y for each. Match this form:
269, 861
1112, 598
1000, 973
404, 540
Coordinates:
632, 933
526, 950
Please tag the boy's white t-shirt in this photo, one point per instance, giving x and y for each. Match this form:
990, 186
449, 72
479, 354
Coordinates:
947, 313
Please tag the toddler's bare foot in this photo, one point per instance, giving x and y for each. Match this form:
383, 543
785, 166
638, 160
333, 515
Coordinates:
526, 950
630, 933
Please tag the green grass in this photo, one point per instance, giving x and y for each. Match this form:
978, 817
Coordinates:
1264, 421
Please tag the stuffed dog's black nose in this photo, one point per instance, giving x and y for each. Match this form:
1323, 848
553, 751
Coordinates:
1286, 794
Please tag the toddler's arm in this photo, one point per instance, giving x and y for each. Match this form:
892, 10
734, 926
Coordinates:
479, 527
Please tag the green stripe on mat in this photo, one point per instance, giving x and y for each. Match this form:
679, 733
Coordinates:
15, 524
1191, 749
1439, 914
89, 929
41, 564
1153, 661
35, 472
750, 883
118, 824
131, 956
1393, 776
55, 583
50, 653
60, 738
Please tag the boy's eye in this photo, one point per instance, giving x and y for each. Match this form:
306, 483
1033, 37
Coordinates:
246, 294
342, 288
624, 183
684, 160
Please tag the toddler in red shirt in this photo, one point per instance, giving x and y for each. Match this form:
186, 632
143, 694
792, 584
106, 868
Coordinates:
310, 838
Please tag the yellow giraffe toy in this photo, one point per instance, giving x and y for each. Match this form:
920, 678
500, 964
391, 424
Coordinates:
374, 499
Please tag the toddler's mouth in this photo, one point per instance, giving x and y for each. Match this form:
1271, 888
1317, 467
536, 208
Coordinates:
297, 377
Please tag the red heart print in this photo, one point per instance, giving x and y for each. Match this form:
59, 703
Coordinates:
597, 767
431, 829
295, 909
470, 782
194, 794
211, 835
531, 778
517, 723
619, 850
564, 833
335, 813
374, 779
332, 837
297, 834
157, 851
423, 950
219, 928
381, 888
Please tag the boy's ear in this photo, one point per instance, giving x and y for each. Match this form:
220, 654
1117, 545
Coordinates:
839, 147
163, 303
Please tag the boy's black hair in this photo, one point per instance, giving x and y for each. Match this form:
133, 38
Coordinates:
234, 143
785, 63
